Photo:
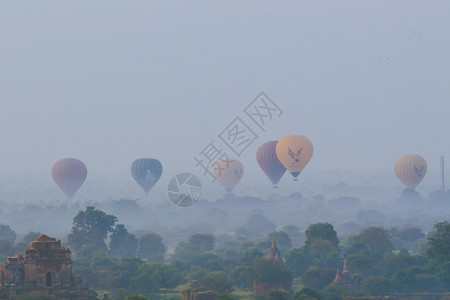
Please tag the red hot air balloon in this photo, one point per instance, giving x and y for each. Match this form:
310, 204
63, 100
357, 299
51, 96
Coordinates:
269, 162
69, 174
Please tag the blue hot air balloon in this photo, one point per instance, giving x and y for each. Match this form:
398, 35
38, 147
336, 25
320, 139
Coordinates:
269, 162
146, 172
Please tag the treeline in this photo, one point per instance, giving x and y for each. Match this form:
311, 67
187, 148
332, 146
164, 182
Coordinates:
381, 262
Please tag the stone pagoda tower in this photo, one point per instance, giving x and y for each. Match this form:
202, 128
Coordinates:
45, 269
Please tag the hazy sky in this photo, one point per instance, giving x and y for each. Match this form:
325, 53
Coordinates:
111, 81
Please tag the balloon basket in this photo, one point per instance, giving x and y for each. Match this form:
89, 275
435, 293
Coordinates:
275, 186
295, 179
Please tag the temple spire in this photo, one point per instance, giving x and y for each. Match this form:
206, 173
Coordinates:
274, 253
345, 270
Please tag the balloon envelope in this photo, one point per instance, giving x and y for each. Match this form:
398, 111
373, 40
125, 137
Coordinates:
294, 152
410, 169
69, 174
269, 162
146, 172
228, 172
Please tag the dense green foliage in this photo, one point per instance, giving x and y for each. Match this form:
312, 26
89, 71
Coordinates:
322, 231
151, 247
134, 268
122, 243
91, 228
439, 243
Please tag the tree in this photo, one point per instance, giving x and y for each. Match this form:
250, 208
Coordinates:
297, 261
394, 263
404, 281
88, 251
318, 278
297, 236
202, 242
6, 249
376, 239
26, 240
197, 244
151, 247
121, 274
241, 277
234, 248
91, 227
410, 234
408, 238
123, 243
154, 276
135, 297
324, 231
332, 293
271, 272
250, 255
101, 260
277, 295
323, 253
429, 283
216, 281
30, 237
439, 243
6, 233
444, 274
209, 261
377, 286
257, 226
360, 263
307, 293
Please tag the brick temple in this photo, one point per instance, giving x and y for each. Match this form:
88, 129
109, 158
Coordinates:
260, 289
45, 269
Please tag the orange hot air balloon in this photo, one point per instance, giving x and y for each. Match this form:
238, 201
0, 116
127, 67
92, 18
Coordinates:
294, 152
228, 172
410, 169
69, 174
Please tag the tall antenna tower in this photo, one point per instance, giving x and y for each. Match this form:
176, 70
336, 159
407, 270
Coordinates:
443, 172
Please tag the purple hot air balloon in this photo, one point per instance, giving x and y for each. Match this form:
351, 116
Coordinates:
269, 163
69, 174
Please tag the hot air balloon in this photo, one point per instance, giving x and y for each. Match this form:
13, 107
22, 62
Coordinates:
228, 172
269, 162
294, 152
146, 172
69, 174
410, 169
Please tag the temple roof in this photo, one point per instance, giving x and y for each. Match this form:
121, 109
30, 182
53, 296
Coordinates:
45, 238
344, 279
274, 253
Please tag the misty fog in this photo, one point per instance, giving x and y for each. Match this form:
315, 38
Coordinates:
108, 82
